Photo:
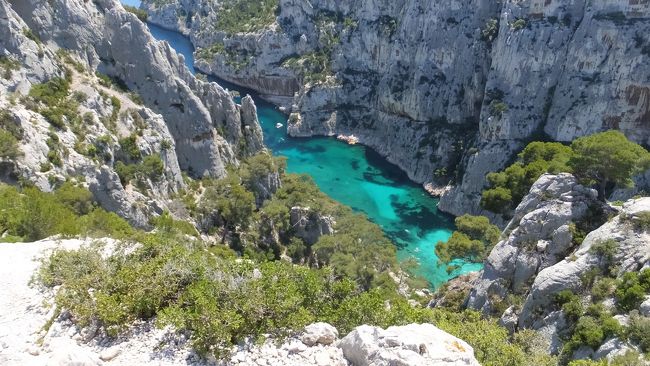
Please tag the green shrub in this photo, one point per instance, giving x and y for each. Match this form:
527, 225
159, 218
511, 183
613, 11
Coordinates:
9, 124
639, 331
31, 35
642, 220
129, 146
497, 108
508, 187
33, 215
630, 358
100, 223
605, 251
43, 215
151, 167
588, 332
221, 301
9, 146
603, 288
518, 24
472, 241
167, 224
78, 199
52, 92
237, 16
490, 30
8, 65
631, 291
125, 172
498, 199
56, 107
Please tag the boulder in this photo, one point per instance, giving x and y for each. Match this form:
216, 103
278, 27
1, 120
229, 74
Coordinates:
409, 345
319, 333
110, 353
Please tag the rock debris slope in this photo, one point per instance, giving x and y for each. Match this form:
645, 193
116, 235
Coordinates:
448, 90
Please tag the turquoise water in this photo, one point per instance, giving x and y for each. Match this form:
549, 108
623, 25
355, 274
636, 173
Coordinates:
355, 176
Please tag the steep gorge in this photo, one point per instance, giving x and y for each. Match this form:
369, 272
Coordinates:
449, 90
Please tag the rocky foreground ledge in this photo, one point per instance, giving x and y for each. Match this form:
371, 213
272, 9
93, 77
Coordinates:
25, 310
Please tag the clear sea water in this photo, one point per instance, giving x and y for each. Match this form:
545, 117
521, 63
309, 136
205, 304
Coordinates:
355, 176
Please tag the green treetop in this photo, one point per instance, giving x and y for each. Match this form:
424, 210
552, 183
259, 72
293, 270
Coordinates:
607, 158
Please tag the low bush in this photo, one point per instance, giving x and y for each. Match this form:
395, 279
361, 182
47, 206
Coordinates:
639, 331
221, 301
236, 16
631, 290
472, 241
141, 14
151, 167
9, 147
30, 214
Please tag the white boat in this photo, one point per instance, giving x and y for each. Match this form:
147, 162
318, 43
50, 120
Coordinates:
278, 125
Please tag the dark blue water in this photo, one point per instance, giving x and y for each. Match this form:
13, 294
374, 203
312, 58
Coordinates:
355, 176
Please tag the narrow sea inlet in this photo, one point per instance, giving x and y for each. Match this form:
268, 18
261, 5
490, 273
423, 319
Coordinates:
355, 176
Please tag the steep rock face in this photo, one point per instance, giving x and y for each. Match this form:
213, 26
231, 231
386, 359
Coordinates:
247, 59
309, 225
538, 236
118, 44
564, 70
442, 89
538, 258
188, 124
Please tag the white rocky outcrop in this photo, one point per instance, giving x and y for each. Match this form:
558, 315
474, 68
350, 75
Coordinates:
319, 333
537, 257
632, 254
538, 236
413, 344
310, 225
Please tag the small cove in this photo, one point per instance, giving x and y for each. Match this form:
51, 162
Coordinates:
353, 175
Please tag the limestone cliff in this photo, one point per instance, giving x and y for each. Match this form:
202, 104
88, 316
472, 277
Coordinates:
447, 90
124, 97
544, 251
560, 71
